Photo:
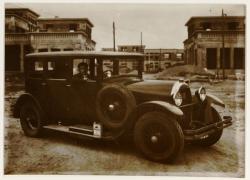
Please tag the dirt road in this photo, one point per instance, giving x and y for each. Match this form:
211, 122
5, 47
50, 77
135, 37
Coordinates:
58, 154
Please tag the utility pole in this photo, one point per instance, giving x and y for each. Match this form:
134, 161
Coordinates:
141, 43
114, 35
160, 59
223, 44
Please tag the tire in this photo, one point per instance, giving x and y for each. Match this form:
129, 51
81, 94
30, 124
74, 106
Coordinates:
114, 105
158, 137
31, 119
213, 138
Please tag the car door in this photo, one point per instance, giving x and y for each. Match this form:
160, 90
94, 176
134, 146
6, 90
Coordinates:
57, 87
83, 99
83, 93
35, 80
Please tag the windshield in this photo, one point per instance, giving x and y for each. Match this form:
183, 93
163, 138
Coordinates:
120, 67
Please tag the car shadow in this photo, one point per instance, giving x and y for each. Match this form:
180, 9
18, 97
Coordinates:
124, 146
191, 153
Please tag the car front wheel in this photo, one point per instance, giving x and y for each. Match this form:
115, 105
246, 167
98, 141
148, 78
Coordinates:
31, 119
158, 137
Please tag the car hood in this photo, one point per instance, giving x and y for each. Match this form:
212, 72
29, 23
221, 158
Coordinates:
152, 87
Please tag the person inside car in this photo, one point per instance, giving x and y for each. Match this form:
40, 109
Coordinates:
82, 72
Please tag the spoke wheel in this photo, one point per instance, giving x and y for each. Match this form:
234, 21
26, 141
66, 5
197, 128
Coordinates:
30, 118
114, 104
158, 137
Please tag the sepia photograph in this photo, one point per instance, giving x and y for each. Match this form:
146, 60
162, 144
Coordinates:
136, 89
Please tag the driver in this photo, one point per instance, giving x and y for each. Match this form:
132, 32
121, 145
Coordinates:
82, 72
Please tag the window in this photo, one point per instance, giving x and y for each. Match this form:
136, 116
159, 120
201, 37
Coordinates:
206, 26
55, 49
91, 68
239, 58
38, 66
35, 69
167, 56
226, 58
211, 58
48, 26
43, 50
122, 67
72, 27
135, 49
51, 66
68, 49
58, 69
179, 56
233, 25
124, 49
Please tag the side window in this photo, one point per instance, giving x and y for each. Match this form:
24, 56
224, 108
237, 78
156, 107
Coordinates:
51, 65
84, 69
58, 69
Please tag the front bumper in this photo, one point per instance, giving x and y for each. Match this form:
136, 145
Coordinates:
205, 131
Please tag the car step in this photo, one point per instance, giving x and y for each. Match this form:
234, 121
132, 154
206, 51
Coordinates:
77, 131
82, 129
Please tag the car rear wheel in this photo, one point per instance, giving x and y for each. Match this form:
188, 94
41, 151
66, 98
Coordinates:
158, 137
212, 138
31, 119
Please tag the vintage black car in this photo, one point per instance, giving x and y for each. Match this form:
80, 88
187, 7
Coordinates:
114, 101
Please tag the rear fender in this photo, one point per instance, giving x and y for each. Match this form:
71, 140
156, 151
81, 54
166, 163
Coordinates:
26, 97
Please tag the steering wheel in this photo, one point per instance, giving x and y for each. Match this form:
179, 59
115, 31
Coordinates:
107, 74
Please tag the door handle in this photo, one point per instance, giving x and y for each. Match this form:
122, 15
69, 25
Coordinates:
68, 85
43, 84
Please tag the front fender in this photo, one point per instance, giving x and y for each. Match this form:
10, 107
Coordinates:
215, 100
160, 105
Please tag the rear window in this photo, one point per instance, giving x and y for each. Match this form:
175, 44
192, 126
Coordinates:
35, 69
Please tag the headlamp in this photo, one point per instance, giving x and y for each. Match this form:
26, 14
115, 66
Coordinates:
202, 93
177, 99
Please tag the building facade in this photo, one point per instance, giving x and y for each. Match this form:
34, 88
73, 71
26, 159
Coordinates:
156, 60
25, 32
63, 34
204, 45
18, 24
131, 48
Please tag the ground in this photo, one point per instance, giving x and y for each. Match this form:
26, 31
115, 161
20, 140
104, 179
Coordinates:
59, 154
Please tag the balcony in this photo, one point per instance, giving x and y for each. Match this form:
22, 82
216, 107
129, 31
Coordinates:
216, 35
16, 38
57, 37
51, 40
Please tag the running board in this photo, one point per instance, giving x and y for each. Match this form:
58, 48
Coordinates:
78, 131
82, 129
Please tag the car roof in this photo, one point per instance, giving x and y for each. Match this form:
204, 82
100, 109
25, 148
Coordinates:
86, 54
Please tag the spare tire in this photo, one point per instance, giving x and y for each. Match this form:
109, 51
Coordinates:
114, 103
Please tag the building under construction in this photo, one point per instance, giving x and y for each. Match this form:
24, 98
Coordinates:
210, 37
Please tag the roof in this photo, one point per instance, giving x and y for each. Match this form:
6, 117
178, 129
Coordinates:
66, 19
160, 50
131, 45
213, 17
21, 9
87, 54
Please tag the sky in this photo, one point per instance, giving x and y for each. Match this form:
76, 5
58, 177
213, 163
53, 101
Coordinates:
162, 25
